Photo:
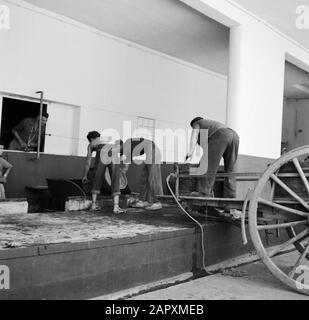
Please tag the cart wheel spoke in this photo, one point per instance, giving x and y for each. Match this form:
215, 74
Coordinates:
301, 173
298, 244
283, 208
273, 187
300, 237
299, 261
290, 191
282, 225
286, 206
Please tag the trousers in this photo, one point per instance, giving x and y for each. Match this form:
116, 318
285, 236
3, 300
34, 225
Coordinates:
114, 171
223, 143
151, 183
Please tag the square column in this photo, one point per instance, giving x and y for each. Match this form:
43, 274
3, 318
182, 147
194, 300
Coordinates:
256, 89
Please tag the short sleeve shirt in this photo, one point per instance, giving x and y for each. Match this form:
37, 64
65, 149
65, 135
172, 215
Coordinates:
139, 146
28, 130
212, 126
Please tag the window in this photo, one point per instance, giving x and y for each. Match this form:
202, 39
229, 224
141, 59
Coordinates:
146, 127
13, 112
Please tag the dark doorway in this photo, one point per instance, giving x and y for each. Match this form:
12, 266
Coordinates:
13, 112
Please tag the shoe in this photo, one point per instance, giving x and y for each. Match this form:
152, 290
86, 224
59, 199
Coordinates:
95, 208
131, 202
119, 211
236, 214
141, 204
154, 207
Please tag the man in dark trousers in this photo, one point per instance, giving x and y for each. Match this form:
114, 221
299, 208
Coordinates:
98, 146
222, 142
151, 179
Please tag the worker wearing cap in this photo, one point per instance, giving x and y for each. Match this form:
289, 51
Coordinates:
222, 142
103, 151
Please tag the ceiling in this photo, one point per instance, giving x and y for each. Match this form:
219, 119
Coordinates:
296, 82
168, 26
281, 14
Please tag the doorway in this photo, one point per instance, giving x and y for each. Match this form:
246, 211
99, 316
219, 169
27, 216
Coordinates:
295, 130
13, 112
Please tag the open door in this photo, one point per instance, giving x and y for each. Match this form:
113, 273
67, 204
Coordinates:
13, 112
295, 131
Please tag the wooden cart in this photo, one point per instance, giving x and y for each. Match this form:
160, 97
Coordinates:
279, 201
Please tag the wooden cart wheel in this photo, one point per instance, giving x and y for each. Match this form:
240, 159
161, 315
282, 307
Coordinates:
289, 210
299, 245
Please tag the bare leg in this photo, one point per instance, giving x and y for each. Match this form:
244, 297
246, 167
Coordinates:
114, 171
116, 202
94, 201
117, 208
2, 191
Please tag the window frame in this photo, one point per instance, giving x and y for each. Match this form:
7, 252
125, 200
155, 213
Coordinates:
22, 98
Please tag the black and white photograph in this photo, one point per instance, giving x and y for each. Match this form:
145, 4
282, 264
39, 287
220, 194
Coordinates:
154, 154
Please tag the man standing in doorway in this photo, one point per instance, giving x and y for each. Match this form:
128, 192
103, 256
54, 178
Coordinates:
222, 142
26, 134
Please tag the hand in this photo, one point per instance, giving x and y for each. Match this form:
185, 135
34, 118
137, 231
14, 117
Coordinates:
188, 157
85, 180
24, 145
3, 179
33, 145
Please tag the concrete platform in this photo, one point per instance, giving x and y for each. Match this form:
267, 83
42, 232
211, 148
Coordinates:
18, 206
83, 255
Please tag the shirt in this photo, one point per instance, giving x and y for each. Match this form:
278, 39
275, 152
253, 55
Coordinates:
136, 147
212, 126
98, 150
28, 130
98, 155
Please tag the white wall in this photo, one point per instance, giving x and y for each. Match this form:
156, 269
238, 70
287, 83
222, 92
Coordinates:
63, 129
111, 80
258, 52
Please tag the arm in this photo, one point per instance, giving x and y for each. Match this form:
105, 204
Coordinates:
193, 141
88, 164
8, 167
20, 127
19, 139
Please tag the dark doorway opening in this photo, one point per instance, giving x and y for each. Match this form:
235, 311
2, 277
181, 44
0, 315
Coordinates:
13, 112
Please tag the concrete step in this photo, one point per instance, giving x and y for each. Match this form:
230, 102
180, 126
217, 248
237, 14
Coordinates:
14, 206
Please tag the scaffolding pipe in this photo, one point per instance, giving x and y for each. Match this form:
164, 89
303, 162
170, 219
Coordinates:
40, 123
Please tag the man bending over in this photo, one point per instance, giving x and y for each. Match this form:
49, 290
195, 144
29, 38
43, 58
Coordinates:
98, 146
